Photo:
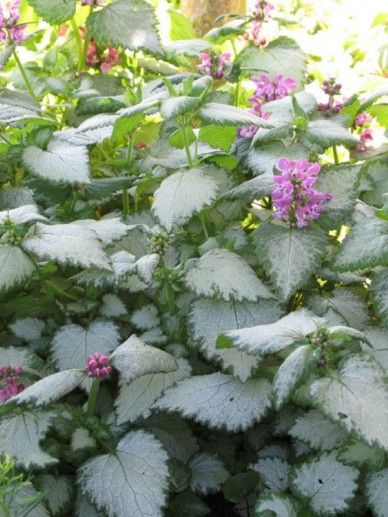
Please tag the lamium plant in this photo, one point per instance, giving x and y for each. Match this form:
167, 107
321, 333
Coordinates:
193, 270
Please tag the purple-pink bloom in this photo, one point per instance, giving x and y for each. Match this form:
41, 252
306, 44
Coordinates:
293, 198
98, 366
363, 119
268, 89
11, 384
9, 16
214, 65
261, 12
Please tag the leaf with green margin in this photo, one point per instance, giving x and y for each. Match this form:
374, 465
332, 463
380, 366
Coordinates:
290, 256
224, 114
356, 398
278, 504
15, 267
282, 54
379, 295
262, 160
377, 493
376, 172
54, 11
319, 432
365, 247
127, 23
327, 133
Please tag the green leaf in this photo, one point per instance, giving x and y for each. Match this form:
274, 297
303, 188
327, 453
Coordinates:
130, 481
326, 484
289, 374
15, 106
380, 113
376, 491
326, 133
226, 32
15, 267
354, 398
317, 431
61, 162
127, 23
54, 11
186, 503
181, 27
280, 55
217, 136
183, 194
222, 274
376, 172
365, 247
186, 47
290, 256
58, 492
273, 337
358, 454
224, 115
219, 401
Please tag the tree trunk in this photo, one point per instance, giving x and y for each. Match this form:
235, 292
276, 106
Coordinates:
204, 12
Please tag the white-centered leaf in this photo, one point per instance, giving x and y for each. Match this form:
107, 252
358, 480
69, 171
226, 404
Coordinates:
226, 115
72, 344
267, 339
21, 499
377, 493
274, 473
17, 356
357, 453
108, 230
15, 266
82, 439
327, 133
290, 256
219, 401
223, 274
136, 399
208, 318
50, 388
378, 339
319, 432
21, 215
92, 131
132, 482
145, 318
356, 398
28, 329
208, 473
112, 306
365, 247
134, 358
326, 483
290, 373
61, 162
379, 295
279, 504
57, 492
146, 266
67, 244
181, 195
20, 436
175, 106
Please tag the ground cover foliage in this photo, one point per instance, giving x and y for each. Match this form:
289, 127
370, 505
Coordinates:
193, 270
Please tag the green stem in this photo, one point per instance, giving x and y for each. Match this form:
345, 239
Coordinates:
92, 399
87, 39
237, 94
78, 43
26, 80
130, 151
60, 292
170, 295
73, 202
187, 147
204, 226
125, 202
4, 509
335, 154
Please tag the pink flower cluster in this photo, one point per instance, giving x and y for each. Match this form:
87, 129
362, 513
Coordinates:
362, 122
293, 198
9, 16
11, 382
106, 61
214, 65
267, 90
98, 366
261, 12
332, 106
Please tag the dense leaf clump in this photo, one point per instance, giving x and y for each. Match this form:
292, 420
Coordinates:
193, 288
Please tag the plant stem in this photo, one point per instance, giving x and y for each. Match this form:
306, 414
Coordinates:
204, 226
187, 147
62, 293
129, 151
78, 43
92, 399
125, 202
335, 154
73, 202
170, 295
237, 94
26, 80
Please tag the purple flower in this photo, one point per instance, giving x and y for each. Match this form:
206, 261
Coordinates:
261, 12
9, 16
98, 366
363, 119
11, 384
293, 197
214, 65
